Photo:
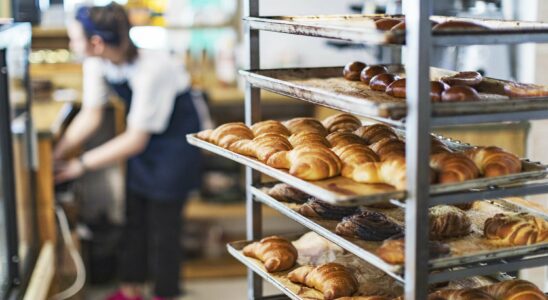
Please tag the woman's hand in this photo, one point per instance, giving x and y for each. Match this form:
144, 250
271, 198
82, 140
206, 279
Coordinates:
68, 170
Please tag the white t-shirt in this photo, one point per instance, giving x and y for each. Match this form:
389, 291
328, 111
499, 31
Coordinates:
155, 79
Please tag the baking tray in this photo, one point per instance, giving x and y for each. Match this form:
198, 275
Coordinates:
371, 280
467, 250
361, 29
327, 87
343, 191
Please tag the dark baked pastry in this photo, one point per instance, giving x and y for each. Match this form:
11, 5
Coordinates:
448, 222
459, 93
315, 208
397, 88
436, 89
352, 70
392, 250
285, 193
382, 81
516, 229
370, 72
470, 78
369, 226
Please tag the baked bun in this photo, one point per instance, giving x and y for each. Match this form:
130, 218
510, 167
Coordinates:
382, 81
397, 88
352, 70
459, 25
448, 222
369, 226
387, 23
470, 78
372, 71
392, 250
436, 89
459, 93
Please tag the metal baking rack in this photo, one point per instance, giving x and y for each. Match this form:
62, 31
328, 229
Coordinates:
419, 40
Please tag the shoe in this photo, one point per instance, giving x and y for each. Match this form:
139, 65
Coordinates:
120, 296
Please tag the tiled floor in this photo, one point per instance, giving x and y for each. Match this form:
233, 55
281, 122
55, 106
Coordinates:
215, 289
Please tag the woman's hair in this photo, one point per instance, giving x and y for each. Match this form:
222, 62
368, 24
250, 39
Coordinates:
111, 23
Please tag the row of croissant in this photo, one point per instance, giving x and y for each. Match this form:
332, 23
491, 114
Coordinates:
445, 221
336, 281
340, 145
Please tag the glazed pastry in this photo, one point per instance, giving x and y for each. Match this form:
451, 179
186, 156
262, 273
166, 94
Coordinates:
308, 162
342, 122
285, 193
376, 132
387, 23
308, 139
459, 93
516, 229
332, 279
322, 210
371, 72
340, 139
269, 126
494, 161
297, 125
453, 167
520, 90
460, 294
382, 81
389, 148
397, 88
277, 254
392, 172
369, 226
392, 250
470, 78
352, 70
459, 25
436, 89
516, 289
448, 222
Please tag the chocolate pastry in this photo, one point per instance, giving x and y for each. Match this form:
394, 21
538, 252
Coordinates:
370, 72
381, 81
369, 226
448, 222
470, 78
397, 88
315, 208
387, 23
462, 25
285, 193
352, 70
392, 250
459, 93
436, 89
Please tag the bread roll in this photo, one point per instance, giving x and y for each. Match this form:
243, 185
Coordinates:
352, 70
370, 72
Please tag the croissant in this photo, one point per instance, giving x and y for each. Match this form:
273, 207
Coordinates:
262, 146
269, 126
286, 193
516, 229
392, 250
308, 139
342, 122
205, 135
229, 133
448, 222
319, 209
308, 162
277, 254
369, 226
494, 161
391, 172
376, 132
453, 167
339, 139
355, 154
296, 125
514, 290
332, 279
438, 146
460, 294
389, 148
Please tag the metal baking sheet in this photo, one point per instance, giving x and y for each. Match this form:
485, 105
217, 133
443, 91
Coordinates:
326, 86
465, 250
361, 29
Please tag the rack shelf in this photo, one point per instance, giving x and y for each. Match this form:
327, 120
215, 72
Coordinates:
361, 29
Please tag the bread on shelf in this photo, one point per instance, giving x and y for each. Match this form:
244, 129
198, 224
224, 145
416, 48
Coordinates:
514, 290
460, 294
470, 78
516, 229
269, 126
392, 250
453, 167
493, 161
308, 139
352, 70
448, 222
285, 193
277, 254
375, 132
339, 139
308, 162
297, 125
315, 208
369, 226
341, 122
331, 279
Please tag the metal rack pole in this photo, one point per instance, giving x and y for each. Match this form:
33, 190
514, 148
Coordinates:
252, 115
418, 149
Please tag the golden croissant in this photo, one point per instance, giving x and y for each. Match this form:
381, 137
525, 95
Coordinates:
514, 290
342, 122
229, 133
392, 172
269, 126
389, 148
376, 132
453, 167
297, 125
277, 254
308, 162
340, 138
332, 279
494, 161
308, 139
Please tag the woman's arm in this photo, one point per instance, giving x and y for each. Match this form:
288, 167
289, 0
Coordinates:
79, 131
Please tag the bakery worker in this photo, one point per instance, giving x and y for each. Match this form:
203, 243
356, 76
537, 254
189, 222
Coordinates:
161, 166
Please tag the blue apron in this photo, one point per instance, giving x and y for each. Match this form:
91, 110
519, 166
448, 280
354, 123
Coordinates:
169, 167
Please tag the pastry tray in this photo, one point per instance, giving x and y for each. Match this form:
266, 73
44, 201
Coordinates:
327, 87
343, 191
361, 29
465, 250
376, 281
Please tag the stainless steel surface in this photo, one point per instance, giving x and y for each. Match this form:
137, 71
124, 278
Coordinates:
361, 29
234, 250
326, 87
252, 115
392, 270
